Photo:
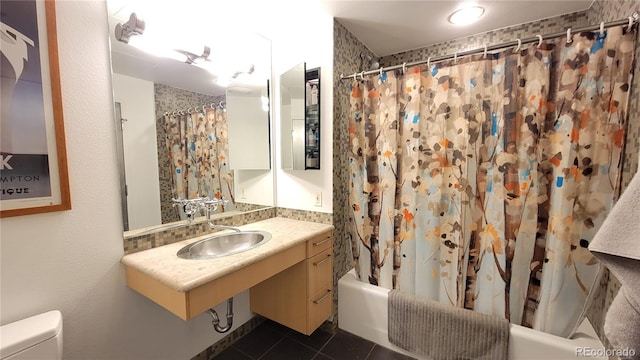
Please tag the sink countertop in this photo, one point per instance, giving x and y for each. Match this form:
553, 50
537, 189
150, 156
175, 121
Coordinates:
182, 275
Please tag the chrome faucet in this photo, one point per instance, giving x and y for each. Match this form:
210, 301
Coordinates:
210, 207
193, 206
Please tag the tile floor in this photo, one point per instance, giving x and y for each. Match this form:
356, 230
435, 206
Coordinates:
271, 340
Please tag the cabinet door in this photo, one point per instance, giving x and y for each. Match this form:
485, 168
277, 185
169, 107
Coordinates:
319, 244
312, 119
319, 308
320, 272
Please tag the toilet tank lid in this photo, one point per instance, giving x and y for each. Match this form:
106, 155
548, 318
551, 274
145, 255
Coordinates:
28, 332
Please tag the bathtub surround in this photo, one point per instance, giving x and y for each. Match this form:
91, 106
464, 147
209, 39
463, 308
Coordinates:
346, 61
372, 321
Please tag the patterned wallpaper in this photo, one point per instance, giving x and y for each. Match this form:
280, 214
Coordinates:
169, 99
347, 61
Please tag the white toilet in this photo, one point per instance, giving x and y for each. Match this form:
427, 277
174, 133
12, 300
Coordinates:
38, 337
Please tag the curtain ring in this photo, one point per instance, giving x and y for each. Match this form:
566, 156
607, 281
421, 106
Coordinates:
221, 105
404, 67
602, 28
355, 75
174, 113
485, 51
539, 40
518, 47
362, 75
381, 70
428, 62
455, 57
204, 109
569, 36
630, 22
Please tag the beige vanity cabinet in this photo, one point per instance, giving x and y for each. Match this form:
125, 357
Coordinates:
301, 296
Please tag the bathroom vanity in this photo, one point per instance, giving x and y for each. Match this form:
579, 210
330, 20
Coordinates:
290, 276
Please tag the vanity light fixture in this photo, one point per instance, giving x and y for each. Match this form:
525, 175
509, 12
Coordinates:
135, 26
162, 43
466, 15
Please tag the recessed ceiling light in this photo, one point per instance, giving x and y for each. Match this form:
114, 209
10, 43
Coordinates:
466, 15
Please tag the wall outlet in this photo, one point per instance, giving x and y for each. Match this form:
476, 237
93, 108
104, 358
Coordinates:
318, 199
243, 193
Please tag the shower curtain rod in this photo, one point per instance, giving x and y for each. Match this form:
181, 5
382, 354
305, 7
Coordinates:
197, 108
630, 21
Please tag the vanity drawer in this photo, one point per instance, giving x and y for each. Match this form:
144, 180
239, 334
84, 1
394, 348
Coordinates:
319, 308
319, 243
320, 271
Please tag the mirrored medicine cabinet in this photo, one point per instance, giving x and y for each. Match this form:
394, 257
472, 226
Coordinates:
300, 118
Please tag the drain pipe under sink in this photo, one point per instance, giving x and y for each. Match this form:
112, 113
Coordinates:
216, 319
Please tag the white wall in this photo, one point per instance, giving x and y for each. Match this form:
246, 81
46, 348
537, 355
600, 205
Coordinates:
248, 129
71, 260
137, 100
307, 39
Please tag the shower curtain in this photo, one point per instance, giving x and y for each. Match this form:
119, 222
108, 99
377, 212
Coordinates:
480, 182
198, 145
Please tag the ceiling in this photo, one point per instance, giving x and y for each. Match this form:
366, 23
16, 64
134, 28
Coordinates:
389, 27
385, 27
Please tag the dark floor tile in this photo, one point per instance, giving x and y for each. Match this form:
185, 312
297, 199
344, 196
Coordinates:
322, 356
290, 350
382, 353
232, 354
346, 346
279, 328
315, 341
258, 341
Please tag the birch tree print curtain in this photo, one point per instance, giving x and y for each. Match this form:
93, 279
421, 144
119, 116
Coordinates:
480, 182
198, 146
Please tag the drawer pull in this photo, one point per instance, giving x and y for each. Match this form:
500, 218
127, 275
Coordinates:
322, 242
321, 261
322, 298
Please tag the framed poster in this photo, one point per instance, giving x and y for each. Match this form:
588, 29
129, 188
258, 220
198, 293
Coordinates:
33, 162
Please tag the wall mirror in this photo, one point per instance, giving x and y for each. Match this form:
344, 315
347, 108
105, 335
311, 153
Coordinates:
300, 118
192, 110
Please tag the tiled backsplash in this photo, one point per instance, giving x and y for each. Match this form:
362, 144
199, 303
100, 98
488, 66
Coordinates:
149, 241
133, 244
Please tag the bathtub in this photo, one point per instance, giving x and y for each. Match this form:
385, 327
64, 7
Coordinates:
362, 311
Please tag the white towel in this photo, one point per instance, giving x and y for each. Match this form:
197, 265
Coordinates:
617, 246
